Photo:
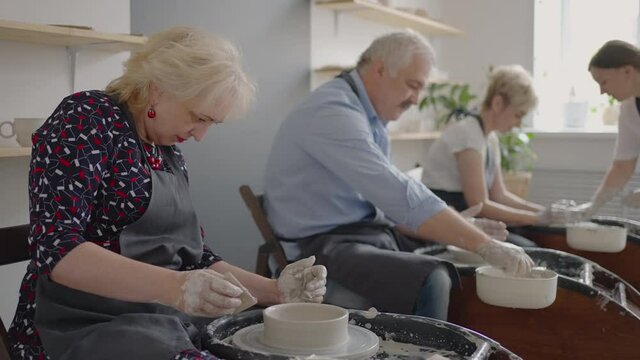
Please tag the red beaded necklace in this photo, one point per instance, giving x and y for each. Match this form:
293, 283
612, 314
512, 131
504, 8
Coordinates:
154, 155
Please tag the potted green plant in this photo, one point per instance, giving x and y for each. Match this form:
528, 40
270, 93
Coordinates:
444, 99
517, 159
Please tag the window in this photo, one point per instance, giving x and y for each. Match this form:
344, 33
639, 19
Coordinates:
566, 35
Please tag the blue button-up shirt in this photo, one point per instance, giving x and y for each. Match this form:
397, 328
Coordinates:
330, 165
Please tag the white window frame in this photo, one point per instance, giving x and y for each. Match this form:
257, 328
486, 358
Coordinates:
557, 67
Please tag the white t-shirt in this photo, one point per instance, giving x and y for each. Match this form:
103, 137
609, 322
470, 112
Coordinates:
628, 141
441, 168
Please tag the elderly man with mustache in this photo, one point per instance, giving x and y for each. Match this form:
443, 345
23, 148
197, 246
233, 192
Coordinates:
332, 191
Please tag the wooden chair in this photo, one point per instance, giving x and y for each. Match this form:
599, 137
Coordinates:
271, 246
336, 294
14, 247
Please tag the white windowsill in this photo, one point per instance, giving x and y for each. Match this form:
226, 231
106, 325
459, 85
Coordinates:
602, 132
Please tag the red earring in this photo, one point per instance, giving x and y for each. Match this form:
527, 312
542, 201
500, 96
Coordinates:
151, 113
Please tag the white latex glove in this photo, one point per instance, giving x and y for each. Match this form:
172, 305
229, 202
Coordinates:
547, 216
632, 199
206, 293
495, 229
303, 282
508, 257
567, 212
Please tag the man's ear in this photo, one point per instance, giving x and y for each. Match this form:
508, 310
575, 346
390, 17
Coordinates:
378, 68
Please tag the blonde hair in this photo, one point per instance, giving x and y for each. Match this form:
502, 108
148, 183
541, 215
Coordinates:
396, 49
514, 84
190, 65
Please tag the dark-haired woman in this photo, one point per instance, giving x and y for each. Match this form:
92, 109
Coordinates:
616, 69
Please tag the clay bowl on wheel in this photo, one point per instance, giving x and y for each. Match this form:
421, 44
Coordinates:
536, 290
305, 329
305, 325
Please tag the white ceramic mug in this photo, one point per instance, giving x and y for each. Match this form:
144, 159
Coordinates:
22, 128
7, 138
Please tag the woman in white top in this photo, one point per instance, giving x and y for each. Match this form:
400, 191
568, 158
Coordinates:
616, 69
463, 165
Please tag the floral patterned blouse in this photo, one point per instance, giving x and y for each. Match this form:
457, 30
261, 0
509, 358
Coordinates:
87, 181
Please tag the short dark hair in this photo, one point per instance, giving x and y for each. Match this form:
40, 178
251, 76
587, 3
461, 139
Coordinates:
614, 54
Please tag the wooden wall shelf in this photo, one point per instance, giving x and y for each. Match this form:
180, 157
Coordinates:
66, 36
389, 16
15, 152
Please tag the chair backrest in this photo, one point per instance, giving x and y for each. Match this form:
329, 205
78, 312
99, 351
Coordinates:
271, 246
14, 247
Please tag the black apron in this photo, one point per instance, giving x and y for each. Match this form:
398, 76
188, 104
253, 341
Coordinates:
373, 260
77, 325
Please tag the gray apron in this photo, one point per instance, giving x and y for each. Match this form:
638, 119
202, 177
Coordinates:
375, 261
78, 325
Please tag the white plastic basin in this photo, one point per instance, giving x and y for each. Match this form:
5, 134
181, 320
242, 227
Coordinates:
305, 326
590, 236
536, 291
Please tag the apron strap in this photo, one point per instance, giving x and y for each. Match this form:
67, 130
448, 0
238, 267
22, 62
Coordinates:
349, 79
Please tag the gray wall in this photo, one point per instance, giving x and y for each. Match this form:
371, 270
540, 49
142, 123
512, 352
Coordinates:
274, 37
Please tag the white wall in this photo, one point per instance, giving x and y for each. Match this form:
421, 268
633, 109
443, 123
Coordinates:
495, 32
34, 80
273, 37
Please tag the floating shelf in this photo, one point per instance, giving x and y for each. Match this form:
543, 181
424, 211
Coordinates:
389, 16
14, 152
333, 70
430, 135
66, 36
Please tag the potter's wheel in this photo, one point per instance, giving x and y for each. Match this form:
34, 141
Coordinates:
361, 345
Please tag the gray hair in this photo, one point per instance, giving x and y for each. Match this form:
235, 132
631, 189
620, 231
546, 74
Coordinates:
188, 63
396, 50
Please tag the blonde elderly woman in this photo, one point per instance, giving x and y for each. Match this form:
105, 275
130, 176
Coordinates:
463, 166
119, 268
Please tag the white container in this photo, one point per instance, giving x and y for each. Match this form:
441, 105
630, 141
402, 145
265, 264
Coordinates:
536, 291
305, 326
575, 114
590, 236
22, 128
